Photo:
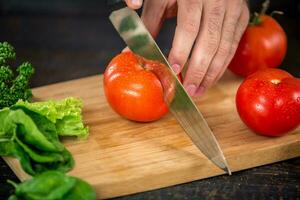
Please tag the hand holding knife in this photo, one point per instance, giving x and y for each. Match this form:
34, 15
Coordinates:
139, 40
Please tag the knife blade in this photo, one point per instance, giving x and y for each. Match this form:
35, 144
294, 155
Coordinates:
131, 28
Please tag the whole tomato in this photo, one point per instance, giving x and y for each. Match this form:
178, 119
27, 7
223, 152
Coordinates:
263, 45
268, 102
132, 90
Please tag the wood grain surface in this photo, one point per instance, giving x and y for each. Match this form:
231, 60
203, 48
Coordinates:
123, 157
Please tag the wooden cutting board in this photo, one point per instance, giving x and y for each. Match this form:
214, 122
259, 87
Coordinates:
123, 157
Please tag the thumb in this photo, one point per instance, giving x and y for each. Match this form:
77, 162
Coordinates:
134, 4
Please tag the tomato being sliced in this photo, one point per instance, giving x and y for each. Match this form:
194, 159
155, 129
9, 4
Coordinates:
132, 90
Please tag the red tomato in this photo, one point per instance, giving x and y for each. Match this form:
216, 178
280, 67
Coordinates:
268, 102
132, 90
262, 46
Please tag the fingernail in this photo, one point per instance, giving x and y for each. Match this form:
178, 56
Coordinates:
126, 49
176, 68
136, 2
200, 91
191, 89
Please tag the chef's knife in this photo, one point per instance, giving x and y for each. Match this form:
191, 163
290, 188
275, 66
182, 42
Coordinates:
137, 37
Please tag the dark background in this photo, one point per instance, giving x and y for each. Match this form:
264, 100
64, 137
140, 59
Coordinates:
68, 39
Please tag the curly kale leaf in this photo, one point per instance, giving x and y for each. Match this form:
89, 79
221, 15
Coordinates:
7, 52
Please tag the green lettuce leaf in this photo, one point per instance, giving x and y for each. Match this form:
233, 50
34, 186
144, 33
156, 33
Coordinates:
65, 114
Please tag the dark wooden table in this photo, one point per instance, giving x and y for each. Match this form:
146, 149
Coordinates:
77, 40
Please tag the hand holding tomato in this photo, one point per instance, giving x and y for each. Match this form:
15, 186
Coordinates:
132, 90
268, 102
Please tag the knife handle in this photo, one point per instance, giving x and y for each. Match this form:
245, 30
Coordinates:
115, 4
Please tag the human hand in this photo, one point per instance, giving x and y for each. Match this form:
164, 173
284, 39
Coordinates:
206, 36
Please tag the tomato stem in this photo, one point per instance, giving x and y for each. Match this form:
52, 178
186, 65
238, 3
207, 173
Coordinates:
276, 12
265, 7
255, 20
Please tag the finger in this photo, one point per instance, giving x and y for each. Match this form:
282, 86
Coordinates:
171, 9
134, 4
152, 15
240, 29
232, 14
206, 44
188, 22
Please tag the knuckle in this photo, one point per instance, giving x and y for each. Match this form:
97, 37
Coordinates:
214, 28
192, 7
224, 48
197, 70
197, 75
194, 3
214, 25
191, 26
212, 44
204, 63
218, 8
230, 27
208, 79
179, 55
216, 67
223, 51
